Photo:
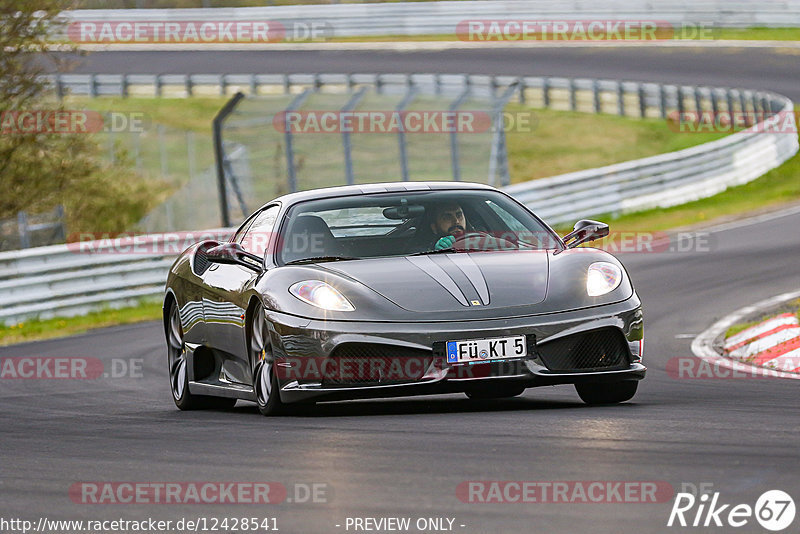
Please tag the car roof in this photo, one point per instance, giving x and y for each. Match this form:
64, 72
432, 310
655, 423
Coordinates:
386, 187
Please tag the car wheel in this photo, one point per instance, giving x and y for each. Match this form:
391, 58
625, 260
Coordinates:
178, 370
607, 393
495, 392
265, 381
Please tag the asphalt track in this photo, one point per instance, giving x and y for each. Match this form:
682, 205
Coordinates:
405, 457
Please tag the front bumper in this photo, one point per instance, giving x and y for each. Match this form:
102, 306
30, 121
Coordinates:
295, 339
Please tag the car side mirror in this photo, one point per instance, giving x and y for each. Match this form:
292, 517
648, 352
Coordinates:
585, 230
234, 254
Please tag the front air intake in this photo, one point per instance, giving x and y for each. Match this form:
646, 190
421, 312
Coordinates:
604, 349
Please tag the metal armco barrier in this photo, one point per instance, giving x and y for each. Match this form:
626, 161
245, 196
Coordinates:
57, 280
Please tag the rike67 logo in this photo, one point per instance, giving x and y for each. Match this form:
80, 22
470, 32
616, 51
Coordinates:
774, 510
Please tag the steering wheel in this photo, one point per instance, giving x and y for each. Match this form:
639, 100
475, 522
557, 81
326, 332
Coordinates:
477, 240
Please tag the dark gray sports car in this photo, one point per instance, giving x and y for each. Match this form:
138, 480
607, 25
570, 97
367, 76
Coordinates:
399, 289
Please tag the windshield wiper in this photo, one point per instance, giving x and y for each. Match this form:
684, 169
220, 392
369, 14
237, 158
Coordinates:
319, 259
437, 251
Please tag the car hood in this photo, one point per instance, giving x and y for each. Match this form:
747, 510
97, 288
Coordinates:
448, 286
453, 282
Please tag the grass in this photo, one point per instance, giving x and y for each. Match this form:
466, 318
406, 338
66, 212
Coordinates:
146, 310
565, 141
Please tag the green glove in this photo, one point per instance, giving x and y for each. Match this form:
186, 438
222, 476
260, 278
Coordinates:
445, 242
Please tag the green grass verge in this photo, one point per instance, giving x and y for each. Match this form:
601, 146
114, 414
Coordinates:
146, 310
566, 141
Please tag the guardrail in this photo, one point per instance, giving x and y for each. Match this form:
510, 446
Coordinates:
57, 280
74, 279
430, 18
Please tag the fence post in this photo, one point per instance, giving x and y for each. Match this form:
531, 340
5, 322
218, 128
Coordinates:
124, 86
59, 87
348, 156
546, 92
522, 86
698, 100
401, 134
454, 156
714, 103
93, 85
219, 156
621, 98
662, 100
22, 228
642, 101
729, 102
61, 231
596, 95
157, 85
188, 85
743, 105
290, 169
756, 117
498, 160
681, 102
573, 99
253, 85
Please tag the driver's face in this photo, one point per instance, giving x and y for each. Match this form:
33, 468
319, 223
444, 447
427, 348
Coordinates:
449, 221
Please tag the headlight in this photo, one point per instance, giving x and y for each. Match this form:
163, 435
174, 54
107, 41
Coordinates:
602, 278
319, 294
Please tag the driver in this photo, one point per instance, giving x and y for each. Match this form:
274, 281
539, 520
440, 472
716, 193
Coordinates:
448, 224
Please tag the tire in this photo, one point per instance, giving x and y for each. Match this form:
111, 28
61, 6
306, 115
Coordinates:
607, 393
495, 392
265, 381
178, 375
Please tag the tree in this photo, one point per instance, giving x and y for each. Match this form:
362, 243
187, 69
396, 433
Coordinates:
39, 169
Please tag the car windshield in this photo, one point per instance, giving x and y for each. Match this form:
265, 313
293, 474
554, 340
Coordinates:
407, 223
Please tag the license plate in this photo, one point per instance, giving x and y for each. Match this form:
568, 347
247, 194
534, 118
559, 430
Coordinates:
481, 350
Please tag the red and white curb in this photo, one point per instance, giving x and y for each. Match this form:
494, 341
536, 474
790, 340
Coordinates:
774, 343
773, 346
